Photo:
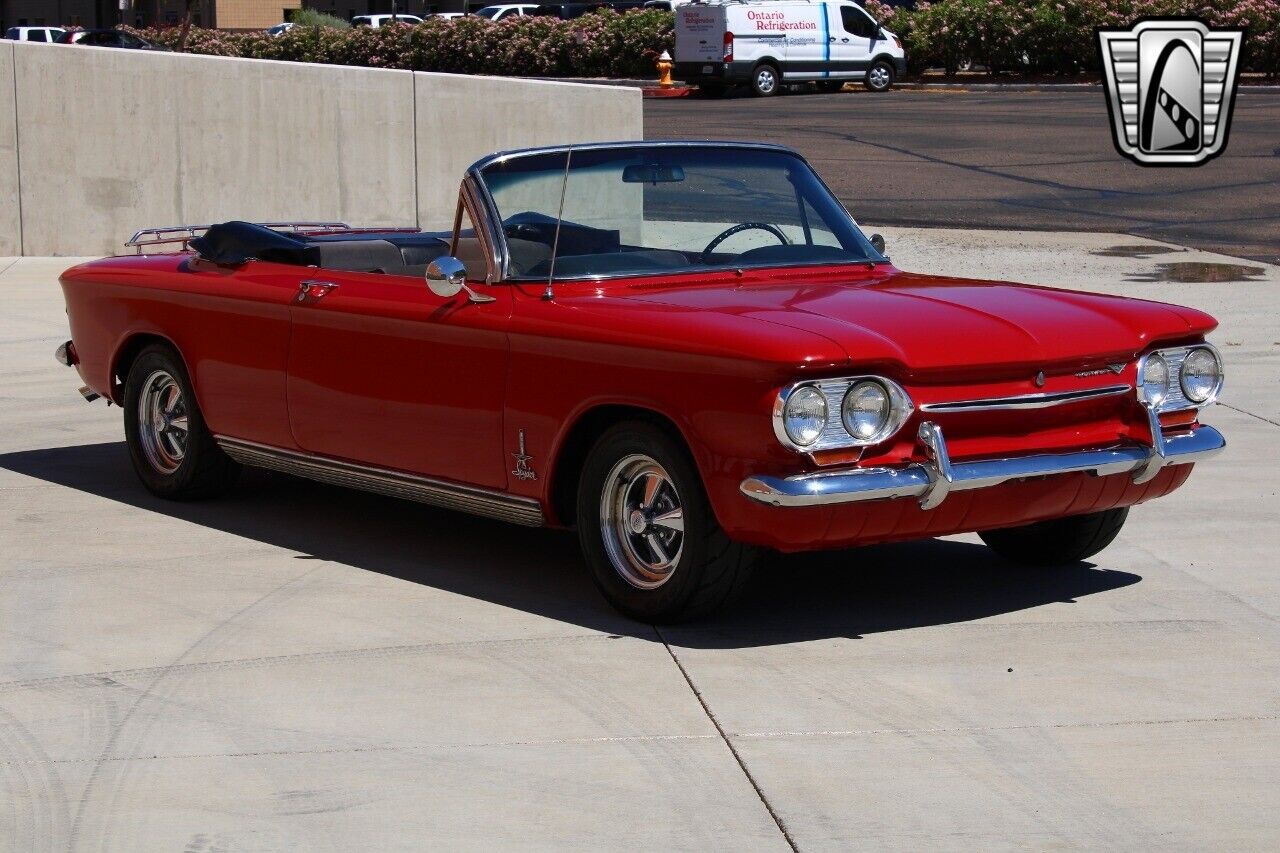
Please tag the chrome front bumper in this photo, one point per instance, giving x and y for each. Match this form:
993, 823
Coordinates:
933, 480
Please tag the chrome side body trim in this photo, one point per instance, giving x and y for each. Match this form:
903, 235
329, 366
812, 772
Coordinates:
1027, 401
383, 481
933, 480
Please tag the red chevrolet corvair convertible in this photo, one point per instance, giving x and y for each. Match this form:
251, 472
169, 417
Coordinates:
688, 351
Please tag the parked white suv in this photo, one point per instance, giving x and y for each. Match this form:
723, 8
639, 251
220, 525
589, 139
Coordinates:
33, 33
507, 10
381, 20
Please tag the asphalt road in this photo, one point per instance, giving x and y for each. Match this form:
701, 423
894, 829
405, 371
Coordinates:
1037, 160
301, 667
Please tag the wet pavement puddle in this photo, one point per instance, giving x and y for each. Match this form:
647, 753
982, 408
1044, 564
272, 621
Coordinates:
1192, 272
1132, 251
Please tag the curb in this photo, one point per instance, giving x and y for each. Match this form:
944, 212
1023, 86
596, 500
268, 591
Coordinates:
648, 86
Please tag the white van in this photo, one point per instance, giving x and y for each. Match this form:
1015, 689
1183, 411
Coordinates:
769, 43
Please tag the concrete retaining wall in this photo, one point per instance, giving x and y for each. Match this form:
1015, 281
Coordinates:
10, 221
99, 143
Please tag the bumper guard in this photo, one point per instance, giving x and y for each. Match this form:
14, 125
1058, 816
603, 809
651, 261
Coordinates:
933, 480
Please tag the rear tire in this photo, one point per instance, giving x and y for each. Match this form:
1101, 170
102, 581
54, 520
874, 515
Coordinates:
172, 450
879, 76
643, 565
1059, 541
765, 81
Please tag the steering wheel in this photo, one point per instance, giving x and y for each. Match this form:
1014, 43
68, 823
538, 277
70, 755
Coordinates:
745, 226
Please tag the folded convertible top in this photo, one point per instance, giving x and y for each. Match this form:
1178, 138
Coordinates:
233, 243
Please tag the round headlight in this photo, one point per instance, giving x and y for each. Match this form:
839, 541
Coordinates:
1201, 375
1155, 379
805, 415
866, 410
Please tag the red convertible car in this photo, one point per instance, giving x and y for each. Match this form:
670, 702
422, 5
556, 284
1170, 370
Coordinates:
687, 351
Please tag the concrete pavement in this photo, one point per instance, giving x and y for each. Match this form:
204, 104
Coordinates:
301, 667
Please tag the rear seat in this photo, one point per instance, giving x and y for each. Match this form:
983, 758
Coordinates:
361, 256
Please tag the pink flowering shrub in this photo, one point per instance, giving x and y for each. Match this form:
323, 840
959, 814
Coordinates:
603, 44
1057, 36
1021, 36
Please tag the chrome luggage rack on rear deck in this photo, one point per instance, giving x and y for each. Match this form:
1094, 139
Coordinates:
184, 234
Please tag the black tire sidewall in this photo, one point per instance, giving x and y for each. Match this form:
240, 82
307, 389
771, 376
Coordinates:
160, 357
667, 601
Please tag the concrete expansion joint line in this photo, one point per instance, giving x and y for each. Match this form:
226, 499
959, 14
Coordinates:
1250, 414
706, 709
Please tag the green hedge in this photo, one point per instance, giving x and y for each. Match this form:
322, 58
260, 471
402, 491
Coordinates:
1018, 36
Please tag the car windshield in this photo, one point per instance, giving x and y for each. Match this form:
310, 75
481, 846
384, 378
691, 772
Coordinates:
489, 11
646, 210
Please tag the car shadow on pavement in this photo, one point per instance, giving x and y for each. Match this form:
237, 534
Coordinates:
799, 597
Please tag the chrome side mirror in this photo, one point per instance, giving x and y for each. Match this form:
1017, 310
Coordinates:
447, 277
876, 240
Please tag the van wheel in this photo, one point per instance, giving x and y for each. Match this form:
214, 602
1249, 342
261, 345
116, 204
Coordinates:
647, 531
172, 450
879, 76
827, 87
765, 81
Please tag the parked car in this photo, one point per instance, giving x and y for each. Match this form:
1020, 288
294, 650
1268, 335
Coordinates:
450, 16
280, 29
689, 352
42, 34
508, 10
107, 38
767, 44
382, 20
570, 11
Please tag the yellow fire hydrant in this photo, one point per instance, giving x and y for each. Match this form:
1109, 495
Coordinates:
664, 71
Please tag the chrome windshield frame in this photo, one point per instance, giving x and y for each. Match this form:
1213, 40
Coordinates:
492, 223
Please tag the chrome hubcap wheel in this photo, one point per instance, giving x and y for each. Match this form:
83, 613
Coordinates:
162, 422
642, 521
765, 81
879, 77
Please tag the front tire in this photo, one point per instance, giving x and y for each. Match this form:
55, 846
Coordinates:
647, 531
765, 81
172, 450
1059, 541
879, 76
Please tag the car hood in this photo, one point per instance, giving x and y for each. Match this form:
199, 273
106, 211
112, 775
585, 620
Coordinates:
937, 325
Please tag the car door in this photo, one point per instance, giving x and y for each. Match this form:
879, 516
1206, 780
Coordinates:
384, 372
853, 36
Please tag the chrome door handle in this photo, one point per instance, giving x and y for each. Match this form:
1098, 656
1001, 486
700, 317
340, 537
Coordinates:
314, 289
